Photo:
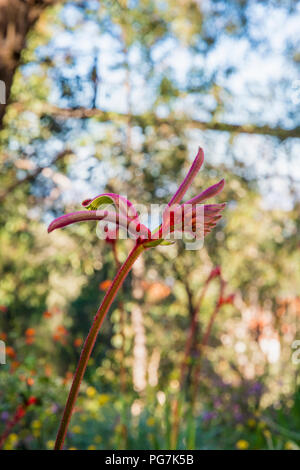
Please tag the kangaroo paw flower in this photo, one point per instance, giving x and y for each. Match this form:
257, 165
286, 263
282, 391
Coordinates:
198, 217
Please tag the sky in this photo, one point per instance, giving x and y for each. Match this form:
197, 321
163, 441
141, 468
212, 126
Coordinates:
251, 92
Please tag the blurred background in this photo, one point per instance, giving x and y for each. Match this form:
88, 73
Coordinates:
199, 350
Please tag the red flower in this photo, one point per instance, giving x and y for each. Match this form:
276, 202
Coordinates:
30, 340
20, 412
32, 401
105, 285
30, 332
227, 300
47, 314
30, 381
78, 342
10, 352
60, 334
215, 272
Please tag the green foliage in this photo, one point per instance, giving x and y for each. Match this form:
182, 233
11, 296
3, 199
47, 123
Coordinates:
52, 283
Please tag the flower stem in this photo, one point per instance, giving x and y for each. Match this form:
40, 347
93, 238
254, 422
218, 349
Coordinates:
90, 341
191, 338
203, 345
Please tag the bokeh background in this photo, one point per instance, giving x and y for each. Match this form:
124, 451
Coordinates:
199, 348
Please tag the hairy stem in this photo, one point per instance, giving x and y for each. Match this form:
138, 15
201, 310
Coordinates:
90, 341
122, 326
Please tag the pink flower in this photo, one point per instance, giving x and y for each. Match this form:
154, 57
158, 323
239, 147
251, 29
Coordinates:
190, 217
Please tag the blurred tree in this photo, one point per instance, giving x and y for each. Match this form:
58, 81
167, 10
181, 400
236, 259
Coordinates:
17, 17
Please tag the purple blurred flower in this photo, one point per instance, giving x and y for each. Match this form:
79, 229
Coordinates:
256, 388
208, 416
238, 417
4, 415
54, 408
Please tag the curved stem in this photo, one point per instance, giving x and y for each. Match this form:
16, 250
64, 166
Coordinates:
90, 341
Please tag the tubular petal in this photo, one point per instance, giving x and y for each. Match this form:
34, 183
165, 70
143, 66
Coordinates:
208, 193
133, 226
74, 217
189, 178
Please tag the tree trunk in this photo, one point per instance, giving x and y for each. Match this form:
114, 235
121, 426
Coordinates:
17, 17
